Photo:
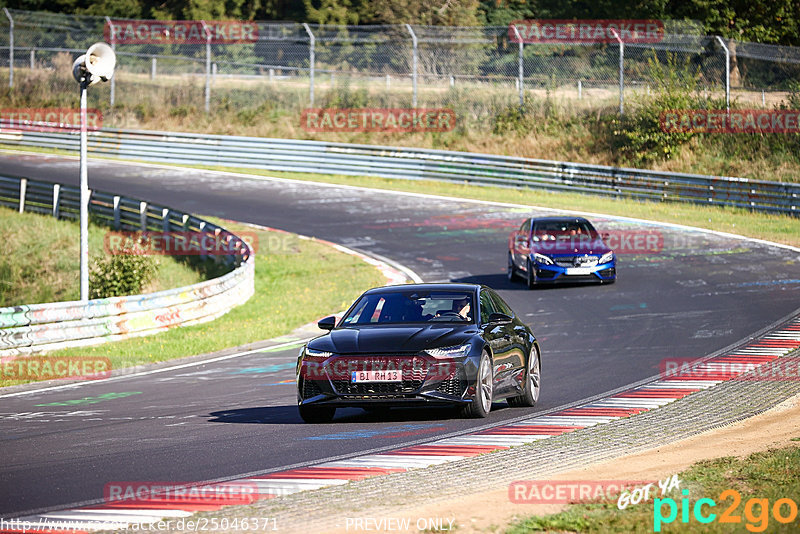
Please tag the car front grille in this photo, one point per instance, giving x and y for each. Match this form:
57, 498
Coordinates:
452, 386
414, 369
311, 388
344, 387
565, 261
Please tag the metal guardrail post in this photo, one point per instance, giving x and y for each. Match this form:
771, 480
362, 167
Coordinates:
10, 47
56, 200
114, 48
153, 67
165, 219
727, 72
208, 66
414, 61
521, 69
23, 189
116, 212
621, 71
312, 44
143, 216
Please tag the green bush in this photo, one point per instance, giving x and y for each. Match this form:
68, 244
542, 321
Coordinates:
638, 136
120, 274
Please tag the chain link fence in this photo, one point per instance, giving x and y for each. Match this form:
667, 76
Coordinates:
289, 66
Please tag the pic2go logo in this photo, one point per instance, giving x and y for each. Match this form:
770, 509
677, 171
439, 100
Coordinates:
756, 511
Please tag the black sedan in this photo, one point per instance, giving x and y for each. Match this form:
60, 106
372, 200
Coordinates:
420, 345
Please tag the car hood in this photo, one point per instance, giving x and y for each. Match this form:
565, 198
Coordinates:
595, 247
393, 338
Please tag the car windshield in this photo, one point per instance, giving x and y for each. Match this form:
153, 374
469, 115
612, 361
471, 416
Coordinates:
411, 307
563, 230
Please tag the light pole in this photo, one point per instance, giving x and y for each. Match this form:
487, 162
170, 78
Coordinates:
96, 65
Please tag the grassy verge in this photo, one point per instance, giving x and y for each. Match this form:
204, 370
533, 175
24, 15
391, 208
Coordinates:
764, 476
296, 281
46, 269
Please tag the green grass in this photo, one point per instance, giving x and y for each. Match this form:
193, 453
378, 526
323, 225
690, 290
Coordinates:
46, 268
296, 281
770, 475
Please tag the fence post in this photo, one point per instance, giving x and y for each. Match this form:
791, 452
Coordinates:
56, 200
143, 216
621, 71
114, 48
580, 90
727, 72
165, 220
23, 188
153, 67
521, 81
116, 212
312, 44
10, 47
414, 53
208, 66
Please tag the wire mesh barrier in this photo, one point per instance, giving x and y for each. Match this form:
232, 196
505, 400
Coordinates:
206, 65
416, 163
28, 329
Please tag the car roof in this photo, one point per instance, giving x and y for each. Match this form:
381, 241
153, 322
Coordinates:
424, 287
558, 219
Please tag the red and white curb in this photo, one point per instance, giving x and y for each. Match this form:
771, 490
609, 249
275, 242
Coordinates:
650, 396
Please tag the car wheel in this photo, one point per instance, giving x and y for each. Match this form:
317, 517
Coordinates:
316, 414
530, 277
512, 272
533, 382
484, 388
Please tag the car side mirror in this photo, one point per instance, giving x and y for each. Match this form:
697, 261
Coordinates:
327, 323
499, 318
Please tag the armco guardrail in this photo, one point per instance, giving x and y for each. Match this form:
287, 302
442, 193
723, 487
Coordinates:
415, 163
41, 327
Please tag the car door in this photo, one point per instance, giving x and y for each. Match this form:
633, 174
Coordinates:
520, 245
499, 339
518, 333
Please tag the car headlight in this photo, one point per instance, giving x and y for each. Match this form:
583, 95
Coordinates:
541, 258
449, 352
315, 355
607, 257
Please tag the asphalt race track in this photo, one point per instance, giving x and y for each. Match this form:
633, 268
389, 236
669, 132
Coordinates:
699, 294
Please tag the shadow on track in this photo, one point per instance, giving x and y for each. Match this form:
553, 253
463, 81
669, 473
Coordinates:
288, 415
501, 282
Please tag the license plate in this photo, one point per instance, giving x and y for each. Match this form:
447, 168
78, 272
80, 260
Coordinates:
376, 376
579, 270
